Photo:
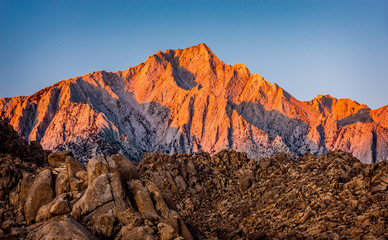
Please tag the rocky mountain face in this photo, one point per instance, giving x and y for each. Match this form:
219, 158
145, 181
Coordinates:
187, 100
186, 196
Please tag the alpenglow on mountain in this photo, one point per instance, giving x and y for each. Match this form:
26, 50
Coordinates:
188, 100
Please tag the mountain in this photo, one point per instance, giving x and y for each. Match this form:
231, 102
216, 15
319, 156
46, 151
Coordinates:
188, 100
183, 196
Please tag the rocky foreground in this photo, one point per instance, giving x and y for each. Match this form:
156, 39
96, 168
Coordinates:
184, 196
334, 196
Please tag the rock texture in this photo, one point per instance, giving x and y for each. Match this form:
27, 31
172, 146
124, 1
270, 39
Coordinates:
61, 199
12, 144
185, 196
229, 196
187, 100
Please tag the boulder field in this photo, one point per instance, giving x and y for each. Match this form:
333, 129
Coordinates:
189, 196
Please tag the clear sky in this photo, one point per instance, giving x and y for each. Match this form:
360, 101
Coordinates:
307, 47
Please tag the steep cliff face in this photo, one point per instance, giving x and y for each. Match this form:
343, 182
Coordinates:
186, 100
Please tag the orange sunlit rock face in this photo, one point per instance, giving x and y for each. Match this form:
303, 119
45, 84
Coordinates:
185, 100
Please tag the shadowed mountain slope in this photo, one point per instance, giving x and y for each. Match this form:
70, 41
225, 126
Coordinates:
187, 100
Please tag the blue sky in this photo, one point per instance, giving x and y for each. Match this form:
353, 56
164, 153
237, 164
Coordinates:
307, 47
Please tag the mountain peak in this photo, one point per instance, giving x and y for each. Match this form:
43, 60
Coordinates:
199, 54
200, 50
201, 47
320, 96
338, 108
187, 99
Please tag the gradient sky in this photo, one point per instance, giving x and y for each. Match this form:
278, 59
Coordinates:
307, 47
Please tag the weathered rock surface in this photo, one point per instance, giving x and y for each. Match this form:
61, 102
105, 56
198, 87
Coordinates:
60, 228
187, 100
60, 199
229, 196
41, 193
184, 196
58, 159
12, 144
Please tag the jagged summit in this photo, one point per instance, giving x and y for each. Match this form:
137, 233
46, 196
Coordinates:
200, 51
187, 100
339, 108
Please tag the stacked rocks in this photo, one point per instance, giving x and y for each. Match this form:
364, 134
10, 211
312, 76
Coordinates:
184, 196
61, 199
107, 199
229, 196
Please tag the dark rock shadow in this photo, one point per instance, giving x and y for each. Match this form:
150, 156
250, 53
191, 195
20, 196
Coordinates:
293, 132
363, 116
133, 127
184, 78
